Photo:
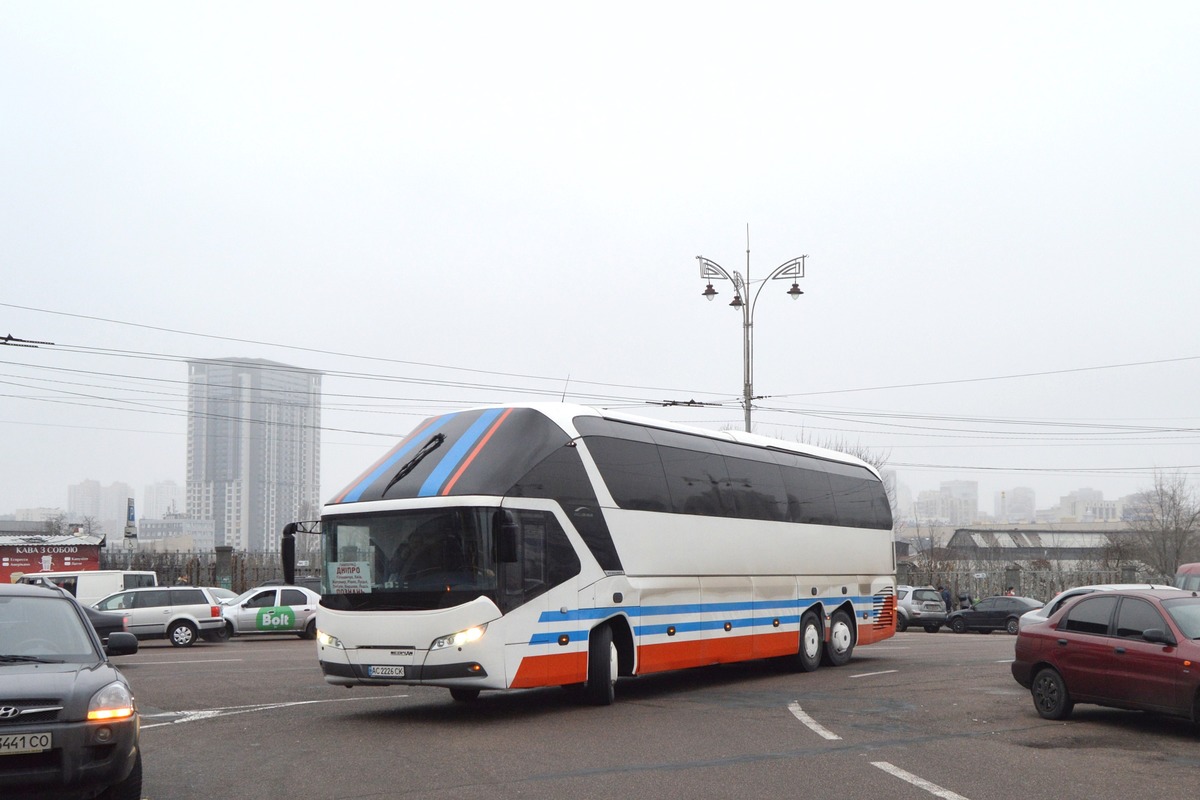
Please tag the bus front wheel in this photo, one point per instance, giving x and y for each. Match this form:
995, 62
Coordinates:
602, 667
811, 637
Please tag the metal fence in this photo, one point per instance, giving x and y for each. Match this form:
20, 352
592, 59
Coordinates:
1040, 584
239, 572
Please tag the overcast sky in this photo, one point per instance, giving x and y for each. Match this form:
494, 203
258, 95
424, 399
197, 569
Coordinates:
445, 204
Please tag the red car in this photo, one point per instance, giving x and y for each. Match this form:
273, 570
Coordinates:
1126, 649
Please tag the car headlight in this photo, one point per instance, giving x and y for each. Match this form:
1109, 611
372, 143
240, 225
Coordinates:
114, 701
329, 641
458, 639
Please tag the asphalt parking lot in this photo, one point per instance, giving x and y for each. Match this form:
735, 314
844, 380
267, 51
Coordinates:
919, 716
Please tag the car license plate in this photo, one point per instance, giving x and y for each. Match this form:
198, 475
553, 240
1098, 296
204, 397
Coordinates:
25, 743
388, 671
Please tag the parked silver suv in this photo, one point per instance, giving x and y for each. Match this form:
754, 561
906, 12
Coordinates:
919, 605
178, 613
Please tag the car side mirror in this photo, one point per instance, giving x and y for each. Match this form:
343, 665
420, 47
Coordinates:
121, 643
1158, 636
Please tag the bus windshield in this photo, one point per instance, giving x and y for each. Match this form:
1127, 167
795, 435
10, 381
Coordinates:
429, 558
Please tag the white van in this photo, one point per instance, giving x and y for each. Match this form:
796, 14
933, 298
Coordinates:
90, 586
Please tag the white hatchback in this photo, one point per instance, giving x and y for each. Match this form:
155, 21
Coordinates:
273, 609
1062, 598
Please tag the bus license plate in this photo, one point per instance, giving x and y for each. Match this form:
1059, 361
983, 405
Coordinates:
386, 672
25, 743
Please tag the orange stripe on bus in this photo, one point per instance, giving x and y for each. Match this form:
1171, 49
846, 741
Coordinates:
467, 461
559, 669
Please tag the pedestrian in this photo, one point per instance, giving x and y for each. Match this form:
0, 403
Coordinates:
1009, 592
945, 597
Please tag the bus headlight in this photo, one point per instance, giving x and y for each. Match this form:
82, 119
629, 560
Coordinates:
458, 639
329, 641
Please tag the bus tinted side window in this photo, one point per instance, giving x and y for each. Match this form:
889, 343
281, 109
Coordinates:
810, 497
633, 473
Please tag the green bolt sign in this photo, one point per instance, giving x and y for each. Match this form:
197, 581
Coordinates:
275, 619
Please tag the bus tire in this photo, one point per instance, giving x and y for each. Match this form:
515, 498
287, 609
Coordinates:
811, 641
840, 646
602, 667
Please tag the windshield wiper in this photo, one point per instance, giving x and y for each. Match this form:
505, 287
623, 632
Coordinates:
427, 448
11, 659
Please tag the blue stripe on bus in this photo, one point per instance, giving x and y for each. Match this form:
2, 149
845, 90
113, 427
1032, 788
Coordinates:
378, 472
864, 611
441, 473
680, 609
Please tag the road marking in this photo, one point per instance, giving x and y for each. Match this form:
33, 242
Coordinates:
872, 674
195, 716
920, 783
189, 661
812, 724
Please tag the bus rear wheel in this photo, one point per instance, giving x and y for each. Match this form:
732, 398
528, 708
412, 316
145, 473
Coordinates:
602, 667
841, 639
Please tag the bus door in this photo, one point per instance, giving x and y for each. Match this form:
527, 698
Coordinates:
538, 579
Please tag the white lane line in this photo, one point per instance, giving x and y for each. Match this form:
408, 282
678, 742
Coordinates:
920, 783
872, 674
812, 724
190, 661
177, 717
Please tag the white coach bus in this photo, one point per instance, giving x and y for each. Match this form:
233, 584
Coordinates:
559, 545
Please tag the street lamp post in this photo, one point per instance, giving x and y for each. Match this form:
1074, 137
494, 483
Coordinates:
746, 302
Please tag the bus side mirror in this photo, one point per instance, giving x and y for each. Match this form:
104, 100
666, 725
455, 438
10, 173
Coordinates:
507, 532
287, 553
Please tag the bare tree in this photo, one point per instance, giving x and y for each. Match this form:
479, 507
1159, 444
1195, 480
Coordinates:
55, 525
1166, 532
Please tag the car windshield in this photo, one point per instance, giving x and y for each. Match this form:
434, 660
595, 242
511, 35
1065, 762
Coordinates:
1185, 612
45, 629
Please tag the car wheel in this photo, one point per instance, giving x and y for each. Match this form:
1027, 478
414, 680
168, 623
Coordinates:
128, 789
182, 634
1012, 626
901, 623
219, 635
840, 646
958, 625
1050, 695
310, 631
932, 628
811, 640
464, 695
602, 667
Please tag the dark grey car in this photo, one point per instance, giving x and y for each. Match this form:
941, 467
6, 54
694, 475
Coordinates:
68, 720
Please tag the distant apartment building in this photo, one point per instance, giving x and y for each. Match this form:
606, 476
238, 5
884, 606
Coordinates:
1084, 505
955, 503
162, 499
1015, 505
254, 448
107, 506
176, 532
